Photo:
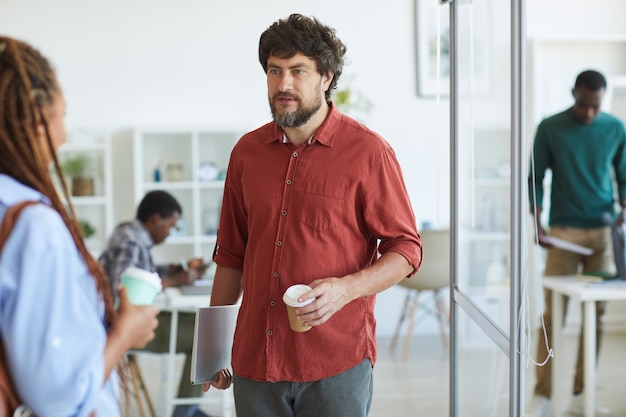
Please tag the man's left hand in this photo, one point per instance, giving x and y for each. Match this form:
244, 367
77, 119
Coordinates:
330, 294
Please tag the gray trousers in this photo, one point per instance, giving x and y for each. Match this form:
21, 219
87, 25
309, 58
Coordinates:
348, 394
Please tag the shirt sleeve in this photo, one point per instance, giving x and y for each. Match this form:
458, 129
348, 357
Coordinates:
619, 163
388, 211
121, 255
51, 318
539, 162
124, 257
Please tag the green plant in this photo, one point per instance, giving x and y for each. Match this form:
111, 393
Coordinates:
86, 228
351, 102
77, 166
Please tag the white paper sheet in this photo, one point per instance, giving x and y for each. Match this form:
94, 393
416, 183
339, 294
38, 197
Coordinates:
568, 246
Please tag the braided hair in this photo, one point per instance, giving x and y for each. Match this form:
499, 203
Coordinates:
28, 85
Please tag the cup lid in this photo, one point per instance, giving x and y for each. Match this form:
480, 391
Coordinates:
291, 295
144, 275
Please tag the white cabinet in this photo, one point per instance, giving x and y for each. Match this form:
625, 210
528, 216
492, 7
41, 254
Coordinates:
486, 189
96, 207
189, 163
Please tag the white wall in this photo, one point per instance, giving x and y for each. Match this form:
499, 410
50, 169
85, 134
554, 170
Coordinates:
127, 62
160, 62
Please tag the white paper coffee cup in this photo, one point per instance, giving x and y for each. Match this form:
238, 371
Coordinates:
290, 298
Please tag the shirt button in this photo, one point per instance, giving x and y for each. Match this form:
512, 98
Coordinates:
284, 212
279, 243
288, 182
275, 274
269, 332
272, 303
295, 154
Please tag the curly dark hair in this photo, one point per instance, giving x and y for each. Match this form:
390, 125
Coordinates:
298, 33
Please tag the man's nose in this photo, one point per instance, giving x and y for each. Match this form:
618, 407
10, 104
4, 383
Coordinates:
285, 83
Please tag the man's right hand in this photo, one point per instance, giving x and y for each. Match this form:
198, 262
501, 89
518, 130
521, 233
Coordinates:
224, 379
540, 232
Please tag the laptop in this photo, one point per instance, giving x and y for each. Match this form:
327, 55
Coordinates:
618, 238
212, 342
200, 287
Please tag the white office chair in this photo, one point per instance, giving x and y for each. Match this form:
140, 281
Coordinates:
433, 276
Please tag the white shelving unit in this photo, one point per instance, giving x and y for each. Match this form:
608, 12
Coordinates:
179, 153
487, 192
98, 208
555, 62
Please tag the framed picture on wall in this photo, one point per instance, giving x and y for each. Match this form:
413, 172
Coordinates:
432, 22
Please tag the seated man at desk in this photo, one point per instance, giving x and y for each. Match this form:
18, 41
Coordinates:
130, 245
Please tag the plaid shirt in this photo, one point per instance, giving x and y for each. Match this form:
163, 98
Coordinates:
128, 246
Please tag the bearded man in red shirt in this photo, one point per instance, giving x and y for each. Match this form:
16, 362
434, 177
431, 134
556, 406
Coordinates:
313, 197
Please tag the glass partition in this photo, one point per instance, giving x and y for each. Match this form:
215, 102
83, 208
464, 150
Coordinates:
483, 374
484, 152
486, 85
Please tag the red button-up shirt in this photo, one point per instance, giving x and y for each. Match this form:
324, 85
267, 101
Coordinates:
293, 215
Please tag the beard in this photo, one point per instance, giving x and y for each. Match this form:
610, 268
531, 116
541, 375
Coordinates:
296, 118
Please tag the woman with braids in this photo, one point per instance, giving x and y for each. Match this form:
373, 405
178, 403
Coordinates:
62, 338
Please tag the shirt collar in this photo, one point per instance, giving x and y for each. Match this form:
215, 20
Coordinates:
142, 233
325, 134
14, 192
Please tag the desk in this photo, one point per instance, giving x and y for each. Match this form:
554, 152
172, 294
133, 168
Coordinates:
588, 294
173, 301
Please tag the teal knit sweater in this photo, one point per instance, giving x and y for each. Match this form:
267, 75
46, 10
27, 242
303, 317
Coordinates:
584, 160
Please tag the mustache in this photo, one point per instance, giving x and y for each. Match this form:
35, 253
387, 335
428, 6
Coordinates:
285, 95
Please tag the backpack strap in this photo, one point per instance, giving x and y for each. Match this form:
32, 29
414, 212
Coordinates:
10, 218
8, 397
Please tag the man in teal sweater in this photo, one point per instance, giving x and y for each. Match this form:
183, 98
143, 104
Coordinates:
586, 151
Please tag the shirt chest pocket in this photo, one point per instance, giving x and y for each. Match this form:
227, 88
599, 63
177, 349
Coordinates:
323, 206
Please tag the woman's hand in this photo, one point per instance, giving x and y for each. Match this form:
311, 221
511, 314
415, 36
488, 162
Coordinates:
132, 328
135, 323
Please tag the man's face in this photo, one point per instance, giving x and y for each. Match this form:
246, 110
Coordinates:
587, 103
295, 89
159, 227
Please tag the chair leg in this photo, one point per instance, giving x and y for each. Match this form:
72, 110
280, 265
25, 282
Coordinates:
132, 365
140, 387
443, 317
409, 331
403, 316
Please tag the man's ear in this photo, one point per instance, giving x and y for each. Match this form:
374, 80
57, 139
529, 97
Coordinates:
152, 221
328, 78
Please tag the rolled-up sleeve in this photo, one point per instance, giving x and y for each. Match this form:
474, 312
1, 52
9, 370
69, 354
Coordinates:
389, 213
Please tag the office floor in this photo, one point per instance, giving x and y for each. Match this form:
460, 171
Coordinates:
419, 386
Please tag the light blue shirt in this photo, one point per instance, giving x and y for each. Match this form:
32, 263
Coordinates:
51, 316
